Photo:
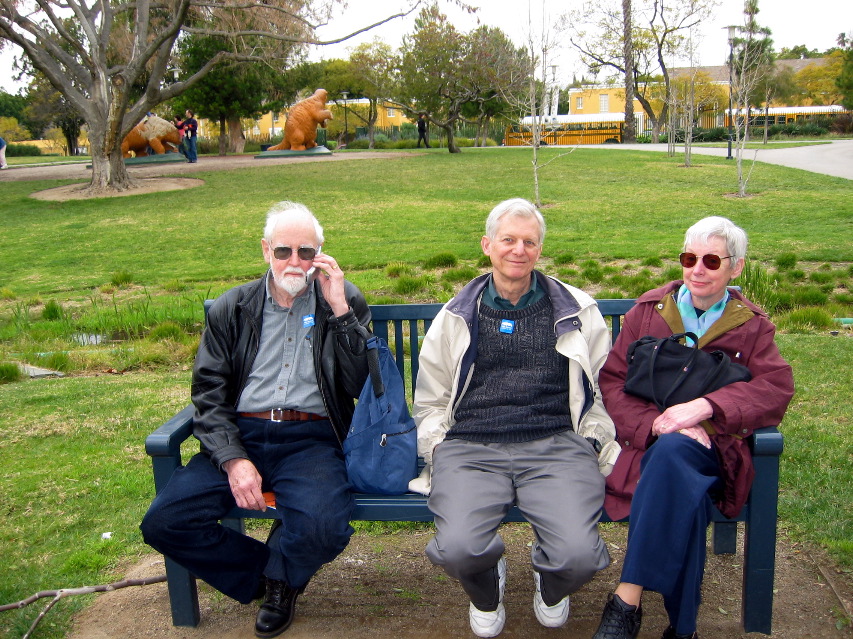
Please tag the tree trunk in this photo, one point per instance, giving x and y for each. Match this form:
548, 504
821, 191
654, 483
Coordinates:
629, 133
223, 138
236, 141
109, 172
451, 141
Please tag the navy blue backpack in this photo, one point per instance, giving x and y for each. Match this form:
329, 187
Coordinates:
381, 445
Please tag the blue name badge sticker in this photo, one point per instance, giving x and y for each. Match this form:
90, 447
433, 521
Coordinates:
507, 326
307, 321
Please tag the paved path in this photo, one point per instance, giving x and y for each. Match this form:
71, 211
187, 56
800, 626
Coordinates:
835, 158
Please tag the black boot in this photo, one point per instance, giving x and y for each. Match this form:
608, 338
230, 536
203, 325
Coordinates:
277, 611
619, 620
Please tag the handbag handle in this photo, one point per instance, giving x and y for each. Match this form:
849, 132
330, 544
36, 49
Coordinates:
373, 366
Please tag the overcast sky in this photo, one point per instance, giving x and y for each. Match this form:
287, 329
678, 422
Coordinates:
815, 23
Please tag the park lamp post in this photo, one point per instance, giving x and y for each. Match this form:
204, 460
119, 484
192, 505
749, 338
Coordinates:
732, 32
346, 123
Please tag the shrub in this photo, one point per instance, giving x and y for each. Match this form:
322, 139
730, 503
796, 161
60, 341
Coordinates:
652, 261
167, 331
52, 311
7, 293
9, 372
484, 261
22, 150
759, 286
56, 361
461, 274
407, 285
643, 139
121, 279
672, 273
396, 269
174, 286
796, 275
821, 277
593, 272
806, 319
564, 258
786, 261
441, 260
809, 296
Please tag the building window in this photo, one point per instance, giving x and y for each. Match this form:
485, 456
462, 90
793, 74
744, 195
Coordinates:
391, 112
579, 104
604, 103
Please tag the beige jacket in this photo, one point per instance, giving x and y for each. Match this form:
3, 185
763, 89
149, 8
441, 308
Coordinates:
582, 336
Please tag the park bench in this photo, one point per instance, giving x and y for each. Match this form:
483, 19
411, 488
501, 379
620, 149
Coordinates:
403, 326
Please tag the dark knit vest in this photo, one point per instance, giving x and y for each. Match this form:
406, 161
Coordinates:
519, 389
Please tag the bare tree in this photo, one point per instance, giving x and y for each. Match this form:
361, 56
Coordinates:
112, 72
751, 62
598, 31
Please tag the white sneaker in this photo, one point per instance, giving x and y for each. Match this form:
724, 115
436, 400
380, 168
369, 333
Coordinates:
4, 166
490, 624
549, 616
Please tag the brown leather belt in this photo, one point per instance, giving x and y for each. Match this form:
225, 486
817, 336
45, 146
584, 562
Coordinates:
284, 415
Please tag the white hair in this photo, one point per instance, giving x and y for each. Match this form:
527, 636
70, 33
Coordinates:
723, 228
287, 211
516, 207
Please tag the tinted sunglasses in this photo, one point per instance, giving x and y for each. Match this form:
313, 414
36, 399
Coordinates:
711, 261
304, 252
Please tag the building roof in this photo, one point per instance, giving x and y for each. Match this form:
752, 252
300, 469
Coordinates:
721, 73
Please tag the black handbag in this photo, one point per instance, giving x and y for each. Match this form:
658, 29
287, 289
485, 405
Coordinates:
666, 372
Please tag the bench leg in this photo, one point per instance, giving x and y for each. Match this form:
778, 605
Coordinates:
725, 537
760, 547
183, 595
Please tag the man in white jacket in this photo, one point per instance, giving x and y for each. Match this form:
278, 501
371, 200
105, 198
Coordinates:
509, 412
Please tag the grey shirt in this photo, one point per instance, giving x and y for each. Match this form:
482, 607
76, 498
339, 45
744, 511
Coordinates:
283, 374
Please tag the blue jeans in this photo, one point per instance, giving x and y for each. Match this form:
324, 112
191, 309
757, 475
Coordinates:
302, 463
192, 154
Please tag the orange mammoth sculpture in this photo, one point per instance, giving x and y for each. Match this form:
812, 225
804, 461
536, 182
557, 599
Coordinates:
300, 129
157, 133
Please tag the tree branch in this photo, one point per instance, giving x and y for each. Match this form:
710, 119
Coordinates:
68, 592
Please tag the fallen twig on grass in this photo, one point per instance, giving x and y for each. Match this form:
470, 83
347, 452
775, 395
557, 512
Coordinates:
67, 592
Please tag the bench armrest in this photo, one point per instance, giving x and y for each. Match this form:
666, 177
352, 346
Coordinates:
164, 445
767, 442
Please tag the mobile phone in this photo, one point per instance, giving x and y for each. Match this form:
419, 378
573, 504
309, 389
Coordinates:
311, 273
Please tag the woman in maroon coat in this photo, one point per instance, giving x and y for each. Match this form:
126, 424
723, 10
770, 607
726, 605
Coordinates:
693, 455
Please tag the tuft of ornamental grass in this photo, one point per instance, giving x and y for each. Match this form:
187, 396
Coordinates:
441, 260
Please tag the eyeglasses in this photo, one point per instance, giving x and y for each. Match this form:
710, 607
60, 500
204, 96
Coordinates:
711, 261
304, 252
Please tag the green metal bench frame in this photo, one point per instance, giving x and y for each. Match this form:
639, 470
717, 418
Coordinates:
389, 322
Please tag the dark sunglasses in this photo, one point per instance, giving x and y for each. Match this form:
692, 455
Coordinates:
711, 261
304, 252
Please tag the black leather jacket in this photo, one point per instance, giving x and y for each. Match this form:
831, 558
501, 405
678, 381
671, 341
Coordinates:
227, 351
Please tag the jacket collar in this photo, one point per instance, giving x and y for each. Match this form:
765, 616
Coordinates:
466, 302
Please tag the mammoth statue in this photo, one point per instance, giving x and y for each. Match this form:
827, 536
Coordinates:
300, 129
157, 133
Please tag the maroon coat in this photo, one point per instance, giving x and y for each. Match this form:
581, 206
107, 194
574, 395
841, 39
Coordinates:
745, 334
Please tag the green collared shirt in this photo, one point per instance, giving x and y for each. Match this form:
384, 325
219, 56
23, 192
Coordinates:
495, 301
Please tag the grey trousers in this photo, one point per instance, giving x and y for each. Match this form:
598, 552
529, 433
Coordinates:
557, 485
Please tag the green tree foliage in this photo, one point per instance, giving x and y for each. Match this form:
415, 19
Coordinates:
49, 108
442, 71
844, 82
231, 91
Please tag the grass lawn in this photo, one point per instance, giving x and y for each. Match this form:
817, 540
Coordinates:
74, 461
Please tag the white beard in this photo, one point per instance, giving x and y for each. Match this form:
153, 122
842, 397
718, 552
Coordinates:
292, 281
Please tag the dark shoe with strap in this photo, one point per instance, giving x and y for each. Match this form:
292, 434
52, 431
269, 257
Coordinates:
278, 610
670, 633
619, 620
